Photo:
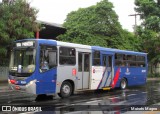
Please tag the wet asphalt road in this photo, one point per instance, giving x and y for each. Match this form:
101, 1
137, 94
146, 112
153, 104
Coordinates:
119, 100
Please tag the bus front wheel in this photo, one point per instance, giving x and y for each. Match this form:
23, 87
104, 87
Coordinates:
66, 89
123, 84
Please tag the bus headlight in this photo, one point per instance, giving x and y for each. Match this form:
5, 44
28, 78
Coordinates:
31, 82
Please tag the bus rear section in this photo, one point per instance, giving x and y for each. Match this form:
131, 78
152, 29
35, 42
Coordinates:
118, 68
131, 69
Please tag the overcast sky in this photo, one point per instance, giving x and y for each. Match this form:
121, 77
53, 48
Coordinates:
55, 11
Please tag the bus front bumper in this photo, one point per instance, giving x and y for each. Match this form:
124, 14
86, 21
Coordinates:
28, 88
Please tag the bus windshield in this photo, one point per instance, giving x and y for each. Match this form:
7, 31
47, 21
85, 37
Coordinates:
22, 60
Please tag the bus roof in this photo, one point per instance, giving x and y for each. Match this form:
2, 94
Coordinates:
117, 50
50, 41
60, 43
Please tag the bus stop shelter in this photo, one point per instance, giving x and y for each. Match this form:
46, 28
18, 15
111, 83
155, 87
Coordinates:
49, 30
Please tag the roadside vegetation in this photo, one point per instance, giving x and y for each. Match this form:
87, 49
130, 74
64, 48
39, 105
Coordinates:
99, 25
149, 31
17, 21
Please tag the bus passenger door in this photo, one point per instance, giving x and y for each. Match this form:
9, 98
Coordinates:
47, 72
107, 74
83, 70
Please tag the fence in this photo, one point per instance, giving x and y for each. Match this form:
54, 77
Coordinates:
3, 73
154, 70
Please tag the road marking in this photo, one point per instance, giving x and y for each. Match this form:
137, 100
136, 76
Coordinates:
94, 101
4, 96
131, 95
114, 98
151, 112
4, 91
29, 112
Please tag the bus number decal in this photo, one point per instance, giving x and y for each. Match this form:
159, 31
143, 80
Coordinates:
143, 71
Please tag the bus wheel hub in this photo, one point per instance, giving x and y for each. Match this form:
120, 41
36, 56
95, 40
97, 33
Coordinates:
66, 89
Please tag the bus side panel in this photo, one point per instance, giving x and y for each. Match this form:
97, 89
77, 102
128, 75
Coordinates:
134, 76
70, 72
64, 73
46, 82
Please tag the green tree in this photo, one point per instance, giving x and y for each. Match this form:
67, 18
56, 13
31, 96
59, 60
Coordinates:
17, 21
97, 25
148, 31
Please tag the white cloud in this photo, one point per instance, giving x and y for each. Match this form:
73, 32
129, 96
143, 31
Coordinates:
124, 8
56, 10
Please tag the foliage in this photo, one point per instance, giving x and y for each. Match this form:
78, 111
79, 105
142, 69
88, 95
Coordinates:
153, 75
97, 25
148, 31
17, 21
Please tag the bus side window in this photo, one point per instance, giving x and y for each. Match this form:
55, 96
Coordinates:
43, 61
119, 60
140, 61
48, 57
86, 63
67, 56
52, 58
96, 58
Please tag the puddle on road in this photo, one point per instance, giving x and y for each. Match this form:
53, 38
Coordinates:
140, 96
116, 101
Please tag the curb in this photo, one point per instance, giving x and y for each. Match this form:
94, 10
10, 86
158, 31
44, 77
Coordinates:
149, 79
3, 81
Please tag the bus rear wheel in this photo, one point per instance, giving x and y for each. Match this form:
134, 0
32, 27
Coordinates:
123, 84
66, 90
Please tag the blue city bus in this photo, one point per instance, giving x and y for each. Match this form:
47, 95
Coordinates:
41, 66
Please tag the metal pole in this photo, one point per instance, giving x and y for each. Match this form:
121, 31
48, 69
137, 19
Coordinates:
135, 15
37, 35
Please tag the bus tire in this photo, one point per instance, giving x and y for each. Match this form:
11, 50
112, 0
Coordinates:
123, 84
66, 90
41, 97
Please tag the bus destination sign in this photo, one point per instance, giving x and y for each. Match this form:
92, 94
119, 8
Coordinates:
25, 44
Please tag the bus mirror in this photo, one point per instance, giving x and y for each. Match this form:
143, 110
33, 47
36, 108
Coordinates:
52, 58
46, 53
